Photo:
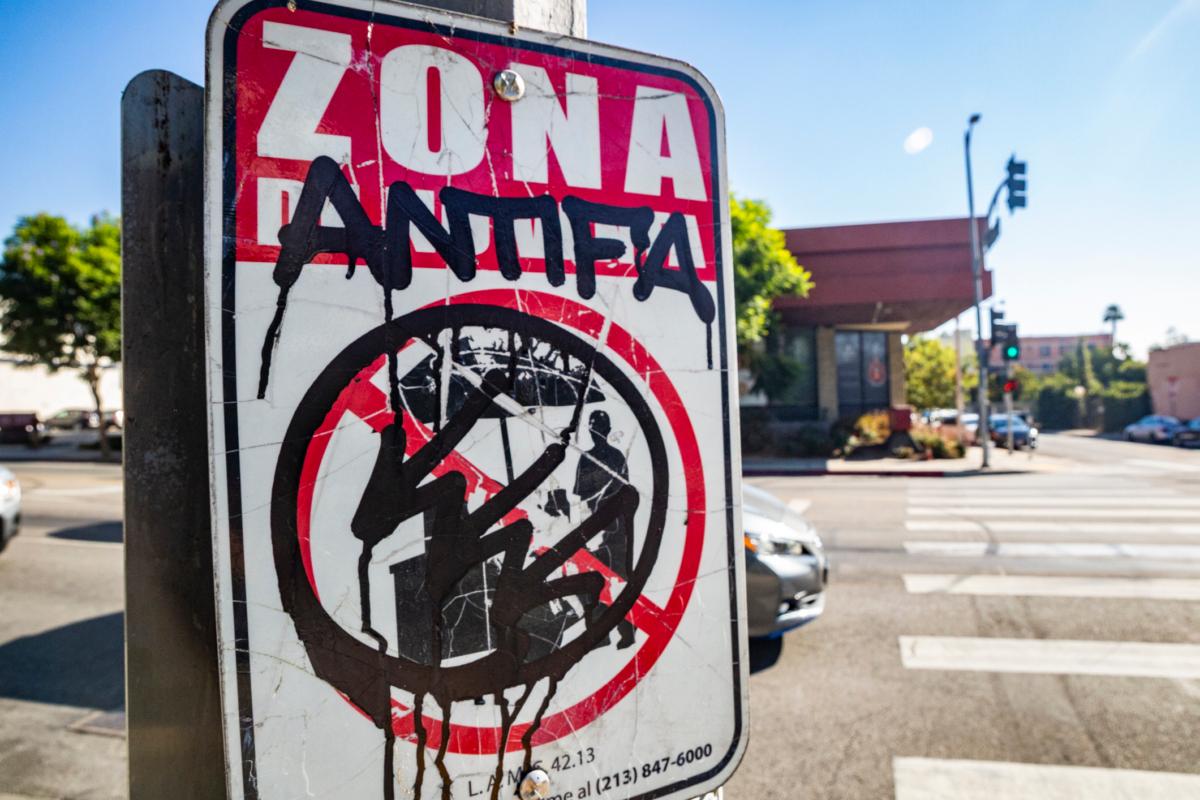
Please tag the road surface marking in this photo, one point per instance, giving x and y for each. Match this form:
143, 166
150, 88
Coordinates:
1055, 499
1094, 489
799, 506
1076, 511
952, 779
1171, 552
81, 492
67, 542
1051, 656
1163, 465
1022, 526
1055, 586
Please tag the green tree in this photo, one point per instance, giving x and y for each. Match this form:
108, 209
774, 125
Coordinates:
1106, 365
60, 297
1112, 315
763, 269
929, 367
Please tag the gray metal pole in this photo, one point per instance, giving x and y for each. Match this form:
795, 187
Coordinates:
977, 271
958, 385
172, 695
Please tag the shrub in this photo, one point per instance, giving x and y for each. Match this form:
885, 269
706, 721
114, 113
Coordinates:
808, 442
940, 446
756, 430
1056, 406
873, 428
1124, 402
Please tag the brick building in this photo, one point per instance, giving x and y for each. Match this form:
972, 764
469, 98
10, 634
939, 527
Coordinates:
1173, 374
1041, 354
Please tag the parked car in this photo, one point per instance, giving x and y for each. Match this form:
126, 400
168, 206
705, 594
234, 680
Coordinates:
10, 506
22, 427
1188, 435
1024, 434
786, 573
1153, 428
72, 419
114, 419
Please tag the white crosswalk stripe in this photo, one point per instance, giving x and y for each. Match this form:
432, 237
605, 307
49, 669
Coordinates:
1051, 656
1053, 501
1055, 586
1150, 552
1042, 513
1169, 466
942, 779
1049, 525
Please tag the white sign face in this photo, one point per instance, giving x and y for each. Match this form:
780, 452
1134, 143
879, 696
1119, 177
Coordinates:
473, 407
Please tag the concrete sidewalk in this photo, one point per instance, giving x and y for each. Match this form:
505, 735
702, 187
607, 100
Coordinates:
1020, 462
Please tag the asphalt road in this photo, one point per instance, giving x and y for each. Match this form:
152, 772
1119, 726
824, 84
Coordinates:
61, 652
901, 690
853, 710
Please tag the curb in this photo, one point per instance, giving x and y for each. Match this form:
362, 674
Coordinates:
776, 472
34, 456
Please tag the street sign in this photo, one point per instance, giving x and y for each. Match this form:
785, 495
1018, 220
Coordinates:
473, 410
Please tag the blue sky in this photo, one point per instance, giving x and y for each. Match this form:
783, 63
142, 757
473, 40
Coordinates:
1102, 98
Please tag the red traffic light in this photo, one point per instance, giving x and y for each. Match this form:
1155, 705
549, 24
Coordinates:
1010, 387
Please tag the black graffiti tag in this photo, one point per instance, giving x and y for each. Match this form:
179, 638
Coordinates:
387, 250
459, 540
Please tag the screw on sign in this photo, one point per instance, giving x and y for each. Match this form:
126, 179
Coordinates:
476, 483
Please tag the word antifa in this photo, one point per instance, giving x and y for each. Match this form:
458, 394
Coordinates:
387, 250
388, 254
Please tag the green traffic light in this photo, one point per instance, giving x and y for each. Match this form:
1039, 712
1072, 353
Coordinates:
1012, 351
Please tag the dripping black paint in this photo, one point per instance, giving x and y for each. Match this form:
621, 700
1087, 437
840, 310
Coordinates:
387, 250
459, 540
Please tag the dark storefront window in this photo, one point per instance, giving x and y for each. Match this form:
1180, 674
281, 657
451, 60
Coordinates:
797, 400
791, 399
862, 372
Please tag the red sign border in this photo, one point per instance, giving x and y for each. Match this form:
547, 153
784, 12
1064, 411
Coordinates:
225, 26
471, 740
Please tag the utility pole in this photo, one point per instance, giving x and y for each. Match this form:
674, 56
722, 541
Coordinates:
977, 272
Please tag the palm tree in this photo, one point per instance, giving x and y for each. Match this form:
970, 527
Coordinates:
1113, 315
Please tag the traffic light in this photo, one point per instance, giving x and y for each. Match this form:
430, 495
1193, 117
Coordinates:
1011, 344
995, 315
1010, 386
1016, 183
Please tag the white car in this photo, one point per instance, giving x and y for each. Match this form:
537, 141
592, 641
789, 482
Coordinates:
10, 506
1154, 428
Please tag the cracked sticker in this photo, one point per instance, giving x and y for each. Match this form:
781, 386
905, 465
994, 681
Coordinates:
476, 486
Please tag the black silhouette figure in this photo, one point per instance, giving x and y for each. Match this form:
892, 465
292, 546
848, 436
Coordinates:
601, 474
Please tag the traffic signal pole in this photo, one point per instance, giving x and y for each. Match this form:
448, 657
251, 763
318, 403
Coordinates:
977, 271
1008, 404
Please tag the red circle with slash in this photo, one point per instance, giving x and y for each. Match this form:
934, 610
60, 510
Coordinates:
363, 399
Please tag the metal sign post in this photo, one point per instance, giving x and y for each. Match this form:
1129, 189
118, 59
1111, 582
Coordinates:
172, 701
472, 391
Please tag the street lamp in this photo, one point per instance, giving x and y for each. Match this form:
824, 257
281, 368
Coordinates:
977, 273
